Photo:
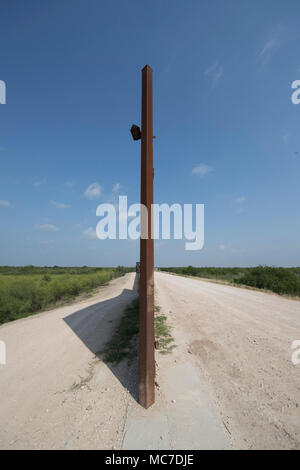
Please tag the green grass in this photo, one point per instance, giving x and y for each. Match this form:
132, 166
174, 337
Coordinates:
163, 332
284, 281
28, 290
123, 343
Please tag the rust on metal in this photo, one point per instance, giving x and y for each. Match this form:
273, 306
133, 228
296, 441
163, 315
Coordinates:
146, 335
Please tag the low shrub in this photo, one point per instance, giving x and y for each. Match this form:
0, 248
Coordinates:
27, 290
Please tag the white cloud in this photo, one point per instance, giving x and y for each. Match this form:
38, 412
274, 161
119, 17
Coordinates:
116, 188
39, 183
286, 136
231, 249
47, 227
47, 242
69, 184
94, 190
202, 169
5, 203
89, 233
60, 205
268, 51
237, 250
169, 64
240, 204
215, 72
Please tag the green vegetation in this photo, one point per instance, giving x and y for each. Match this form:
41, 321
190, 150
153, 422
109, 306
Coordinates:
224, 274
27, 289
280, 280
163, 332
51, 270
122, 344
124, 341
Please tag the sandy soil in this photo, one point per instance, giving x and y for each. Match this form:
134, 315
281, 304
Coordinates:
241, 342
56, 393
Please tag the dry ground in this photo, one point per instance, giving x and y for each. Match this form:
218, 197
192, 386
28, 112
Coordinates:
241, 342
55, 392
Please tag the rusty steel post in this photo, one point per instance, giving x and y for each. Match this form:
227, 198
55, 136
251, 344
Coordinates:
146, 335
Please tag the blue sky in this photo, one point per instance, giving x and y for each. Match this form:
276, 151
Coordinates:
227, 131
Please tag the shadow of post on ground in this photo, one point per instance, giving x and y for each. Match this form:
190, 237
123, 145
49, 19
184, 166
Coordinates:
95, 325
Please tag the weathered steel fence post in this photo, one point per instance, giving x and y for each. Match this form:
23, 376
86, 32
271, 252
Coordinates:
146, 265
146, 336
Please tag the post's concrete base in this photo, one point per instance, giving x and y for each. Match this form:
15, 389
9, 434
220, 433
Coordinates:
182, 418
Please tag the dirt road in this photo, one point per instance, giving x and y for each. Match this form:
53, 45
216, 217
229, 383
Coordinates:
240, 341
55, 391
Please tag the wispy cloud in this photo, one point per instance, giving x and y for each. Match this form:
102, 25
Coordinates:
116, 188
69, 184
5, 203
47, 227
237, 250
169, 64
39, 183
47, 242
240, 204
60, 205
89, 233
240, 199
268, 50
214, 72
94, 190
202, 169
231, 249
114, 197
